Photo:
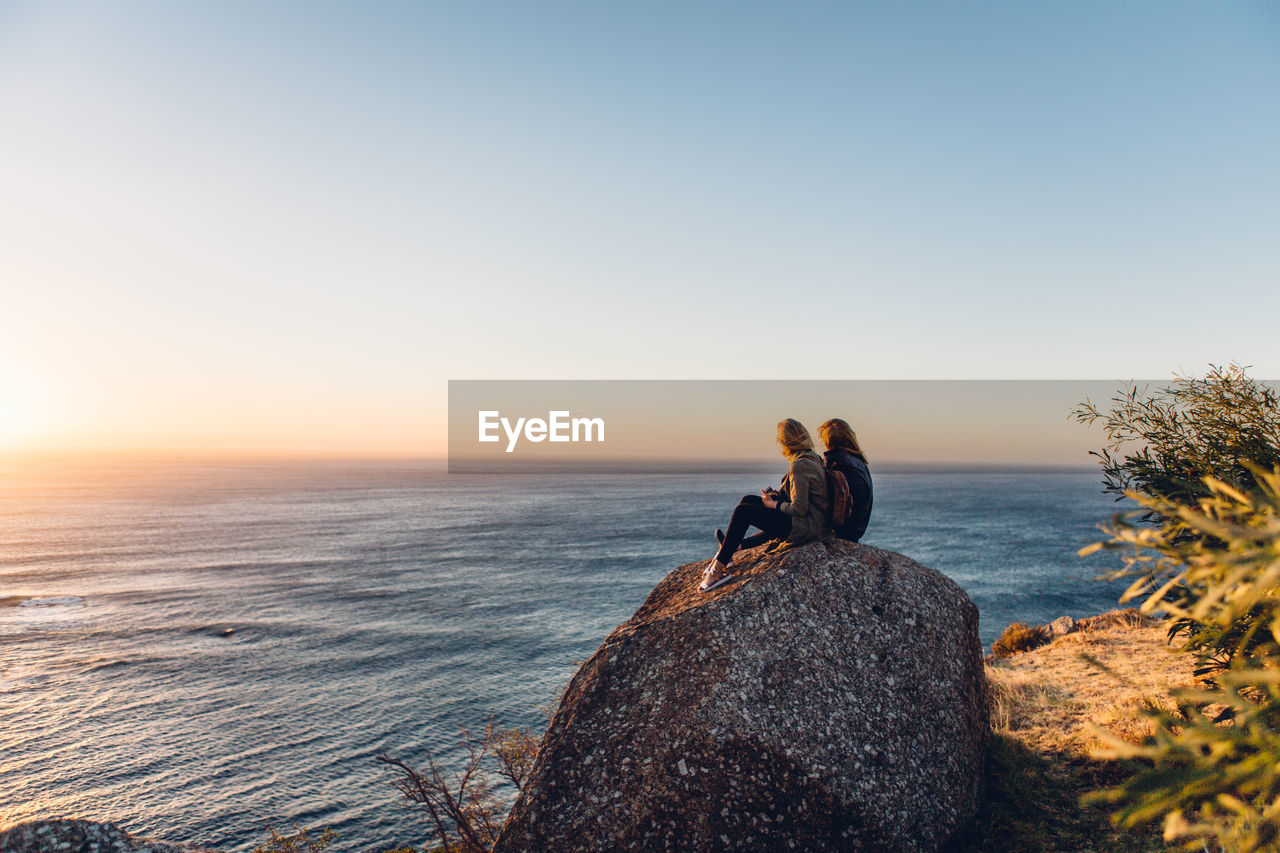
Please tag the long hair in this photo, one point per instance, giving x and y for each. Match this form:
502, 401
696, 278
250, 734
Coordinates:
793, 437
837, 434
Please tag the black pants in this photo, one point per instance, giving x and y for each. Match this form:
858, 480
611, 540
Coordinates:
751, 512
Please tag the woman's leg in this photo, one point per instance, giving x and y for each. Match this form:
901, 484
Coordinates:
751, 512
747, 541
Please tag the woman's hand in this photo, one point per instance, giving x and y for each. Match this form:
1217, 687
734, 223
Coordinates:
768, 500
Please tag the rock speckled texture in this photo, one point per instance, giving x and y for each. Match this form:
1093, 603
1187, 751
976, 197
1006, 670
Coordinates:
82, 836
1061, 626
831, 697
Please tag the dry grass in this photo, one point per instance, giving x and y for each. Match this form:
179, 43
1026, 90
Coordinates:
1130, 617
1049, 698
1044, 705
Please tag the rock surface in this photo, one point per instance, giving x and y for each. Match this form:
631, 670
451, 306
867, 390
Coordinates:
830, 697
1060, 627
81, 836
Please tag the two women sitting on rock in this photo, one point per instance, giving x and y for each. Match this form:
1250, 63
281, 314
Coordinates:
799, 512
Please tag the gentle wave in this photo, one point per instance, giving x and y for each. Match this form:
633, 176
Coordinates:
56, 601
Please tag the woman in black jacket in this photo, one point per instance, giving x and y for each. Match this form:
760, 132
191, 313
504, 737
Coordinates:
844, 454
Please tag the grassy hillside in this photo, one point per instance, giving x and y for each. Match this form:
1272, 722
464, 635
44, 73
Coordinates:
1044, 703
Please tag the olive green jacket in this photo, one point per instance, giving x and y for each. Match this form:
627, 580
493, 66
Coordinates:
806, 500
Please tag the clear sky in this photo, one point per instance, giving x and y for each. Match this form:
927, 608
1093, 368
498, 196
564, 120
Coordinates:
282, 227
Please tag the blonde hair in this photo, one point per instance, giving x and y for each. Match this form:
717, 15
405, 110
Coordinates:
836, 433
793, 437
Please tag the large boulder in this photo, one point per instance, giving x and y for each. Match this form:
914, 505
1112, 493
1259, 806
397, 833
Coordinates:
830, 697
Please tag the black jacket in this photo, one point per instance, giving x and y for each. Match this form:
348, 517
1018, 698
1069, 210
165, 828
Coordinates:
859, 477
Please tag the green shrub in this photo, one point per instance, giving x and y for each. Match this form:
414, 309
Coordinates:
1212, 769
1206, 781
1164, 443
1211, 567
1203, 550
1194, 441
1019, 637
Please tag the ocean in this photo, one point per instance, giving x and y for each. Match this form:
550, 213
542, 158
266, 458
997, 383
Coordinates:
200, 651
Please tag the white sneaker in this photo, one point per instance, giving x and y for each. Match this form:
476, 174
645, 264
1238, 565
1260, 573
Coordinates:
707, 585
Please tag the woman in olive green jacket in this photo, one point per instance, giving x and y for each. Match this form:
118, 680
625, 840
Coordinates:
797, 514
